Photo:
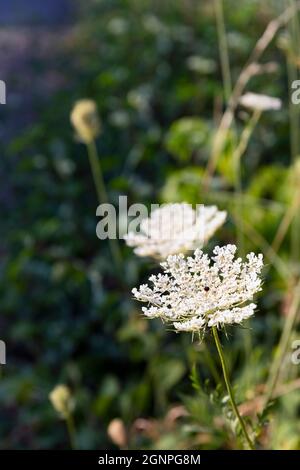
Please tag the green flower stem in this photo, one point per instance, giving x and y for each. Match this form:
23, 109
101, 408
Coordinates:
102, 196
283, 346
238, 152
292, 74
223, 48
71, 430
97, 172
229, 388
211, 363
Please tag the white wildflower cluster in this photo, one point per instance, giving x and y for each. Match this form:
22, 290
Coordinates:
197, 292
175, 228
260, 102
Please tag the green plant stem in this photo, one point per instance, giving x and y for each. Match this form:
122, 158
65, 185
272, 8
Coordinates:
229, 388
102, 197
238, 152
285, 224
211, 364
255, 237
223, 48
71, 430
294, 119
237, 156
227, 86
97, 172
283, 346
238, 89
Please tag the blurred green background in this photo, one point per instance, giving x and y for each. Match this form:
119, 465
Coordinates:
153, 68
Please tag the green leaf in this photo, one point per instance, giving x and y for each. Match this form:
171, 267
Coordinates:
187, 136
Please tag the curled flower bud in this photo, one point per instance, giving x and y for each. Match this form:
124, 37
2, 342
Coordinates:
85, 119
62, 400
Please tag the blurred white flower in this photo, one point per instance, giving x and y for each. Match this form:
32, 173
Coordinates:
139, 98
119, 118
260, 102
175, 228
153, 24
118, 26
201, 64
197, 293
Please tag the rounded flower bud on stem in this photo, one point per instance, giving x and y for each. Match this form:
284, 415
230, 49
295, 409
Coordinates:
86, 121
63, 402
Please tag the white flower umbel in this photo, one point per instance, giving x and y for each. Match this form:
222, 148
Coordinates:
260, 102
197, 292
175, 228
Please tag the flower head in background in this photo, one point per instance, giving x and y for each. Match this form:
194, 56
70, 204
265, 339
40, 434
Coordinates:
85, 119
62, 400
175, 228
260, 102
198, 292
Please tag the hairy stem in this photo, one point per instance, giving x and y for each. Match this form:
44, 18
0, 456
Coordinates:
229, 388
